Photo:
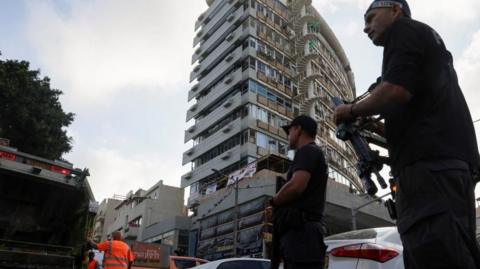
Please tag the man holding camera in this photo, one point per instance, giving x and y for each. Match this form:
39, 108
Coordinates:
300, 203
431, 139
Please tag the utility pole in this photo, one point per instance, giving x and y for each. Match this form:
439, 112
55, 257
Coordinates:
357, 209
235, 210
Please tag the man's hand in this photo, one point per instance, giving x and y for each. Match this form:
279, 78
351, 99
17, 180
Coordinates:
343, 113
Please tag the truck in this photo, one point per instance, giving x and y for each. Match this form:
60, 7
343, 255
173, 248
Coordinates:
158, 256
47, 211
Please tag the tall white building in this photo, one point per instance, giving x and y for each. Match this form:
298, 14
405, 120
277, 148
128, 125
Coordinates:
257, 64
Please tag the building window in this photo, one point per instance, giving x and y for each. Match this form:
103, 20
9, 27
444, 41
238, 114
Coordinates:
262, 140
252, 63
253, 43
282, 148
272, 143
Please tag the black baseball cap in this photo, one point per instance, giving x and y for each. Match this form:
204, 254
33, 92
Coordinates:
390, 3
305, 122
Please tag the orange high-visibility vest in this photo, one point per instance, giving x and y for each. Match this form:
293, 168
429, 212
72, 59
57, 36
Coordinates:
92, 264
117, 254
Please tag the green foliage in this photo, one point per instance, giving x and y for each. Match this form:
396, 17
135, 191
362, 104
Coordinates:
31, 115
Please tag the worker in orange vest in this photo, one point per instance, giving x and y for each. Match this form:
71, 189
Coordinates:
92, 263
117, 254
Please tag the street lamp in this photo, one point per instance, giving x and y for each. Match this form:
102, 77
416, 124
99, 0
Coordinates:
235, 220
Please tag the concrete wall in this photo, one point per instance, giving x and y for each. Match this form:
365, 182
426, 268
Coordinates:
105, 217
175, 223
337, 209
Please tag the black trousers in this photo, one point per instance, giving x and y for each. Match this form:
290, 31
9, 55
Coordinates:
303, 248
436, 215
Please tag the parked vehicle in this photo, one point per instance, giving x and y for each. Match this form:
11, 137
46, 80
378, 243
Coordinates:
152, 255
236, 263
378, 248
179, 262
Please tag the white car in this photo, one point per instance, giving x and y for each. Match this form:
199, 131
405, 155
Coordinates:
377, 248
236, 263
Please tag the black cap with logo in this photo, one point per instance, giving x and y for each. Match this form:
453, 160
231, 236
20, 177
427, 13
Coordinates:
305, 122
390, 3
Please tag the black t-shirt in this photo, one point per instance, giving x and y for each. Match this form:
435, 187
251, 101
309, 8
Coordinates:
436, 123
310, 158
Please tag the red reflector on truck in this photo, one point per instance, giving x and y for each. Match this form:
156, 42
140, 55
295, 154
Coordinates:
8, 156
366, 251
60, 170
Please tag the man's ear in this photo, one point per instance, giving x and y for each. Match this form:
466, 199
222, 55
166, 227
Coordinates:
397, 12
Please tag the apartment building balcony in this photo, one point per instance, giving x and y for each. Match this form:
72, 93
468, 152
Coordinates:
227, 8
219, 35
223, 53
201, 125
216, 93
215, 139
271, 4
225, 159
131, 232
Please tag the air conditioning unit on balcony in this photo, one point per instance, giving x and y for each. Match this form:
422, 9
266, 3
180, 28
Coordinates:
192, 129
229, 57
229, 79
198, 51
227, 129
230, 18
230, 37
188, 175
196, 68
194, 88
226, 156
228, 103
200, 33
190, 152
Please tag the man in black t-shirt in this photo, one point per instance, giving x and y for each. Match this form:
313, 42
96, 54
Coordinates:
431, 139
303, 197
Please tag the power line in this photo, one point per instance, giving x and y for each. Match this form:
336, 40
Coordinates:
476, 121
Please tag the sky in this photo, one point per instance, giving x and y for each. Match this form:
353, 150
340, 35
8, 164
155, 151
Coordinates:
124, 67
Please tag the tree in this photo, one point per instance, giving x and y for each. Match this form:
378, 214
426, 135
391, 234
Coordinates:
31, 116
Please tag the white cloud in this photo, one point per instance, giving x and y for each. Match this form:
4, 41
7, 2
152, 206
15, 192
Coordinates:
447, 11
459, 11
124, 67
105, 46
111, 172
333, 6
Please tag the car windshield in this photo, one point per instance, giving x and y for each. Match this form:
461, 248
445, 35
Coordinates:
360, 234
